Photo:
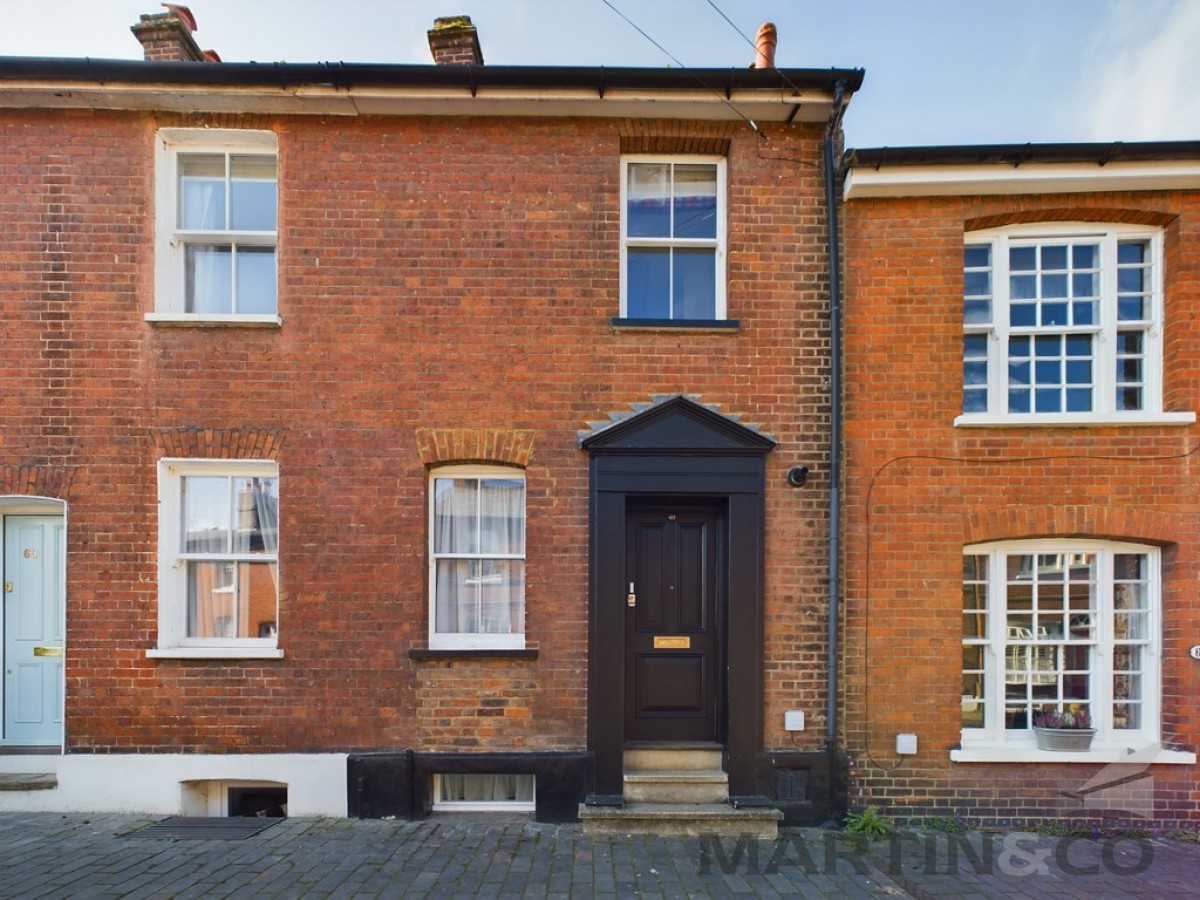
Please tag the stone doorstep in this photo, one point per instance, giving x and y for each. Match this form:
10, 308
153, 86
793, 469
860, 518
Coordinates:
29, 781
682, 820
671, 759
680, 786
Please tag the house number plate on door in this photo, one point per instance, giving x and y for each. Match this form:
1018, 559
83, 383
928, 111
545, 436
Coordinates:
672, 642
30, 553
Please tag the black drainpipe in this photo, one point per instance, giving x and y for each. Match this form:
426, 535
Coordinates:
836, 812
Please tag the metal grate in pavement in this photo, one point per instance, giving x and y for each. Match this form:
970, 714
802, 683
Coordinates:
189, 828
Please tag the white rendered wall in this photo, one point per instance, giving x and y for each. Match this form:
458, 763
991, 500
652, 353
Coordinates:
153, 783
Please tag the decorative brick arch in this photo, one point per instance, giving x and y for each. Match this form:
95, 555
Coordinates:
37, 481
218, 443
440, 446
1109, 522
1109, 215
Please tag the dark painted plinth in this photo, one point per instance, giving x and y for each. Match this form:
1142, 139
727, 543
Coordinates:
400, 784
801, 784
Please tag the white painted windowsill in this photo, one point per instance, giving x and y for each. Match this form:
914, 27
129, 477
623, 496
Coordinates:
194, 320
1071, 420
1095, 755
215, 653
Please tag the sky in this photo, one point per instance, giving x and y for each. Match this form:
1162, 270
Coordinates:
937, 71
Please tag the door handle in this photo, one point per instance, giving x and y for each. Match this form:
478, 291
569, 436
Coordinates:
631, 597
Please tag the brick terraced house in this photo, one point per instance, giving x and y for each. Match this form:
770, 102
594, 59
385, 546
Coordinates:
387, 438
1022, 376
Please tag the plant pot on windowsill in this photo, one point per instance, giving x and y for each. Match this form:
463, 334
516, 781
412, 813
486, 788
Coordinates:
1064, 738
1064, 730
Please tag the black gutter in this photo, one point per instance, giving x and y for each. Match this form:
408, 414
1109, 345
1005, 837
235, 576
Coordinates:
340, 74
835, 454
1018, 154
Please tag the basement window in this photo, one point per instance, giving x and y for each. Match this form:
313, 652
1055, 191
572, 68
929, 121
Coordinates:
483, 793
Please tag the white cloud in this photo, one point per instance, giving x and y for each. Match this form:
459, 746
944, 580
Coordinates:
1143, 74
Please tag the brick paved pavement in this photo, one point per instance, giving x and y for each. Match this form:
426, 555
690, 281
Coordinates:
82, 856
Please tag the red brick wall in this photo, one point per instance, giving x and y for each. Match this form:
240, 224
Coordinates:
434, 274
918, 489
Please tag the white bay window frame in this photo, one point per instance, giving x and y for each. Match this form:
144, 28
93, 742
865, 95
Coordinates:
173, 565
172, 239
994, 742
998, 331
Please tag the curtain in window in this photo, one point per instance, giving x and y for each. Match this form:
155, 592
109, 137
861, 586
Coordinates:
487, 788
475, 521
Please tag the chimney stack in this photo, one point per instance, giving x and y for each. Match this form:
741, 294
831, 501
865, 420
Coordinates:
764, 46
453, 41
168, 36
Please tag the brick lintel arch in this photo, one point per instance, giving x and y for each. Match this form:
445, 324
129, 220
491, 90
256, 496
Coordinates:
1077, 521
442, 446
1109, 215
53, 482
193, 442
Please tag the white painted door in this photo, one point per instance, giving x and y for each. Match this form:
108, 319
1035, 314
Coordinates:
33, 629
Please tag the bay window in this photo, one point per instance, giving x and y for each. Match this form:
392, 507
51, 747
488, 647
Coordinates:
1058, 626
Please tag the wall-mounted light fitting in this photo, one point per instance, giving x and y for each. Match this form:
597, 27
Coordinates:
797, 476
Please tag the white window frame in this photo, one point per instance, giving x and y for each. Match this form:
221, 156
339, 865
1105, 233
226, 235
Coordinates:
440, 804
993, 742
173, 641
998, 330
473, 640
171, 241
719, 244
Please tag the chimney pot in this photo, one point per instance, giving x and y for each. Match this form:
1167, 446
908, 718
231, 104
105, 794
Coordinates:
454, 41
764, 46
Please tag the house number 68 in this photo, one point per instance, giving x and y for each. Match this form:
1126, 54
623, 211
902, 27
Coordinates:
30, 553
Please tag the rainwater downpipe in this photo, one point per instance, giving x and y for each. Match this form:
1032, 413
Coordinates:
835, 451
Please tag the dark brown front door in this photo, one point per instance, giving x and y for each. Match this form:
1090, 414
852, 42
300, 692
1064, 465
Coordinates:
672, 641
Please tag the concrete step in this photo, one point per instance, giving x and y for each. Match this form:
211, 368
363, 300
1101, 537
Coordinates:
28, 781
678, 786
682, 819
672, 759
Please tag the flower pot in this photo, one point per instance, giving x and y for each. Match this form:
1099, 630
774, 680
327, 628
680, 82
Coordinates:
1064, 738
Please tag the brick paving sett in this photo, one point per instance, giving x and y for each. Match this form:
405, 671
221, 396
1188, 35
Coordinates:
100, 856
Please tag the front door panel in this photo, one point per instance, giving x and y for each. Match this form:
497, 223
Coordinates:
672, 630
33, 622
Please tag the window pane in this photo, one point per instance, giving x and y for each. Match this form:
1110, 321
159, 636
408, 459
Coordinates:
252, 193
502, 521
695, 201
695, 284
208, 273
1022, 259
455, 515
977, 284
1022, 287
231, 600
1054, 257
206, 514
977, 257
481, 788
649, 289
474, 596
648, 213
256, 528
1054, 286
256, 280
202, 192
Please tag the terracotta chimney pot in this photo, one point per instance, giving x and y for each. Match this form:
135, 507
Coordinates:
764, 46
